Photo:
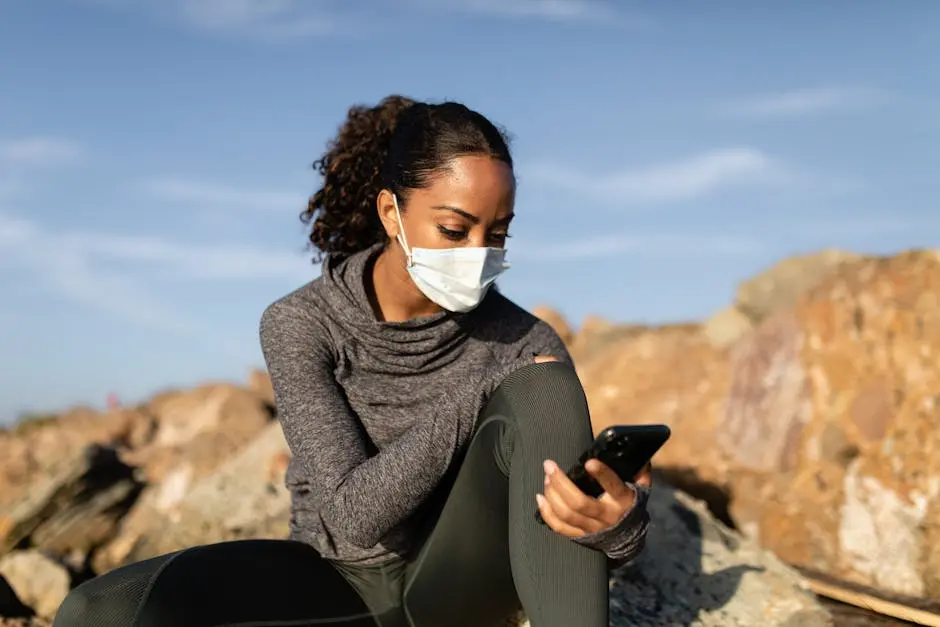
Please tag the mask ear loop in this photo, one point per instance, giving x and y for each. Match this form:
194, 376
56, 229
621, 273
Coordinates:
401, 233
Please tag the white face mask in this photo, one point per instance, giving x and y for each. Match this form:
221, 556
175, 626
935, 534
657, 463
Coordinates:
457, 279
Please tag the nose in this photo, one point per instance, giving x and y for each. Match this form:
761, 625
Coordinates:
477, 238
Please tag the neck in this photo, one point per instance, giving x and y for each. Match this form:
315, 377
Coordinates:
395, 296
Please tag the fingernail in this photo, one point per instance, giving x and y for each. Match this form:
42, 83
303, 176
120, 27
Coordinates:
549, 466
540, 499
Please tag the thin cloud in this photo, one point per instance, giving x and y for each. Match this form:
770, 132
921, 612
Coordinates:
30, 153
190, 263
207, 194
265, 20
118, 274
654, 245
693, 177
805, 102
270, 19
587, 11
32, 251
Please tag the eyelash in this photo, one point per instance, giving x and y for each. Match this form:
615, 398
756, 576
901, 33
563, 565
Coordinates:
458, 235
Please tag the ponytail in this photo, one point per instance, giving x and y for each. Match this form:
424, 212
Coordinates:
342, 213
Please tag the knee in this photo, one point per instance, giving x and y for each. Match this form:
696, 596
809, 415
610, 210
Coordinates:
547, 379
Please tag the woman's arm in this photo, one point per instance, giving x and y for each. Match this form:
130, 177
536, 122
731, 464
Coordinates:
363, 496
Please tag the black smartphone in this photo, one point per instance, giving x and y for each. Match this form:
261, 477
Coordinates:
626, 449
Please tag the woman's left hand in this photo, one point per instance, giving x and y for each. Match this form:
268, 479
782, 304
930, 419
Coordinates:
572, 513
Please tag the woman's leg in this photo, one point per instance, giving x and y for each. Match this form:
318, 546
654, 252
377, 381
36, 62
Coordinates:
244, 583
486, 546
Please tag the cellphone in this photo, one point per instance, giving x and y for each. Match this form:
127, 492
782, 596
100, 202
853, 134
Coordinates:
625, 448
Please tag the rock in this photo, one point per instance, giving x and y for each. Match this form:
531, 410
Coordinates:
244, 498
768, 402
35, 450
173, 467
556, 321
671, 375
200, 428
11, 606
696, 572
75, 509
259, 383
780, 286
210, 408
835, 407
819, 425
38, 581
726, 327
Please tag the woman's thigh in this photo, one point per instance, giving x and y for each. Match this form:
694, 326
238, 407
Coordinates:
462, 574
246, 582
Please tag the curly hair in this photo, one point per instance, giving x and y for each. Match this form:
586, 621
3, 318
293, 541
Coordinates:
398, 145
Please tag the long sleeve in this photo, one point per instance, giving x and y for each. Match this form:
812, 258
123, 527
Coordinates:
362, 495
624, 541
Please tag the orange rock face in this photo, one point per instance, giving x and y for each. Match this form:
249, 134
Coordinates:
821, 422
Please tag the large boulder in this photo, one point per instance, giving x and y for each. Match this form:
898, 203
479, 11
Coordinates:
833, 415
819, 424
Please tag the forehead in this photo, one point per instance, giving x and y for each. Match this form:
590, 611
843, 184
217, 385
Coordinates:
480, 181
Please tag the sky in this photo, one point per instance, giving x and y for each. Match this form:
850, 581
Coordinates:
155, 155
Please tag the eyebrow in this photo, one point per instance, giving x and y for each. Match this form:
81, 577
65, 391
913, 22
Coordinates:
469, 216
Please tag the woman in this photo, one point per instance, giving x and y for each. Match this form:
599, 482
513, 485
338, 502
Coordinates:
428, 418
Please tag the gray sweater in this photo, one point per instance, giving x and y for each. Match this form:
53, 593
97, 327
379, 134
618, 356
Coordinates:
375, 412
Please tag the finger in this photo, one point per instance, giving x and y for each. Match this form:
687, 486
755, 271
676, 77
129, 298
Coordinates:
572, 494
555, 523
612, 484
568, 514
645, 477
542, 359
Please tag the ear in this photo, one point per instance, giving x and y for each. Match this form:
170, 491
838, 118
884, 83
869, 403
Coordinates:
385, 204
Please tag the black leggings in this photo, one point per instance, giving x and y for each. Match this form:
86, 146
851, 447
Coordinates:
483, 555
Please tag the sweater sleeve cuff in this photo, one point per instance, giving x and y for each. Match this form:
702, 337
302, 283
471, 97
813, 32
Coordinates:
624, 541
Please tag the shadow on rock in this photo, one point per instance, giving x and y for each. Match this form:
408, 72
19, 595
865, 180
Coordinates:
697, 571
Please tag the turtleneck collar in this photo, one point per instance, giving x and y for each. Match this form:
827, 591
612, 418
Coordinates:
416, 343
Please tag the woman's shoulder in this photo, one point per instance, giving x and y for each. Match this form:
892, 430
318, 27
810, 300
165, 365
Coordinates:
504, 322
297, 314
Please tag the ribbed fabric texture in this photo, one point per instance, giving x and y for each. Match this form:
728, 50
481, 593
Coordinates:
560, 583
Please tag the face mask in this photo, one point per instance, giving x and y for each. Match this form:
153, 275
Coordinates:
457, 279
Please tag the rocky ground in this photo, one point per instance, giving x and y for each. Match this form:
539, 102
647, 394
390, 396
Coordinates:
802, 416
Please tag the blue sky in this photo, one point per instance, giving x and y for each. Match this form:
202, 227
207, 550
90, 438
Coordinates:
154, 155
